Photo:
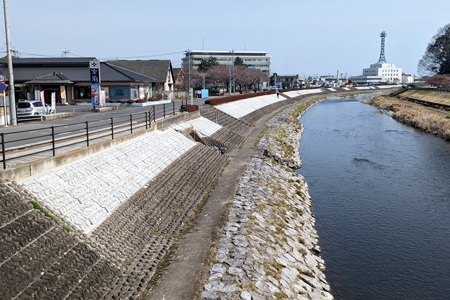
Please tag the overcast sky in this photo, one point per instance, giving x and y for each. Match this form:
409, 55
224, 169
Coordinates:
303, 37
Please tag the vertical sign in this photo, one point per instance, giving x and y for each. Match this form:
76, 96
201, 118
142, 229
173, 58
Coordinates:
53, 103
94, 69
102, 98
43, 101
63, 94
95, 94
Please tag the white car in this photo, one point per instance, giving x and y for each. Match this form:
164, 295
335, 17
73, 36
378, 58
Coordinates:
32, 108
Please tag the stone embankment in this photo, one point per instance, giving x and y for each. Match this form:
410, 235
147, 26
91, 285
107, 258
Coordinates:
101, 244
268, 246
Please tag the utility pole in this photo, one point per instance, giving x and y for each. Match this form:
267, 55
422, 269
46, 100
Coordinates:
65, 53
229, 84
189, 88
232, 61
12, 95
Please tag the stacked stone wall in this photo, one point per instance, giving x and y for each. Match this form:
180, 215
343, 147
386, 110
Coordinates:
269, 247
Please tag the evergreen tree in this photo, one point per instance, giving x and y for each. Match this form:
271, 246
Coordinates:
239, 62
206, 64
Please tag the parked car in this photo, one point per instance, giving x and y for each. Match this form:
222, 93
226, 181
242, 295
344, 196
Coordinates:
31, 108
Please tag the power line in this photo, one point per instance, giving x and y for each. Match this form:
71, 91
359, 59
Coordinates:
153, 55
68, 53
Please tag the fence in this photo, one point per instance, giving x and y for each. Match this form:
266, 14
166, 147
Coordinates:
48, 141
223, 100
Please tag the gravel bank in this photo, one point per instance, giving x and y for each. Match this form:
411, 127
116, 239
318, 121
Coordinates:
268, 246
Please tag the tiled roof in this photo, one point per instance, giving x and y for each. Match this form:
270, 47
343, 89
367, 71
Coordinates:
73, 69
53, 61
105, 68
54, 78
153, 68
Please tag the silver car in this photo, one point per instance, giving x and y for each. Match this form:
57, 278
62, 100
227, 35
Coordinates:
32, 108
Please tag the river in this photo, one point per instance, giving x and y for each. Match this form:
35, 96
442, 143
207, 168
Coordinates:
381, 198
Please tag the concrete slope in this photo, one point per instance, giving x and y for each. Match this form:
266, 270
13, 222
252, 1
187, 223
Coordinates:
87, 192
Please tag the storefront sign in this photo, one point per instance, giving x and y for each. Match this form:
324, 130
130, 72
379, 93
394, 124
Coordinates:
95, 94
94, 67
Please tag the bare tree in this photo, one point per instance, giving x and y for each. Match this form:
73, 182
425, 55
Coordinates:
436, 59
439, 80
196, 78
220, 74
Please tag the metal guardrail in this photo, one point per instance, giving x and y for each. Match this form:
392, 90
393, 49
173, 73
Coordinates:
53, 138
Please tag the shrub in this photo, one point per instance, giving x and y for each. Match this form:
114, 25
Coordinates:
189, 108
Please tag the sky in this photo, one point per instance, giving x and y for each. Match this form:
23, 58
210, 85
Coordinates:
302, 37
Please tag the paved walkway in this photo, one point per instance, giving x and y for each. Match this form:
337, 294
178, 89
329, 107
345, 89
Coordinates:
180, 280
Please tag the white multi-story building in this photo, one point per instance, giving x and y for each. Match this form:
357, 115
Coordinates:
253, 59
389, 73
380, 72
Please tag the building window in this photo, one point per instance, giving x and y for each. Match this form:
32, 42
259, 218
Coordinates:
82, 92
119, 92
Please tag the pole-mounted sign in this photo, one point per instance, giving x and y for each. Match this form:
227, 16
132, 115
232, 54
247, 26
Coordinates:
3, 86
94, 67
3, 89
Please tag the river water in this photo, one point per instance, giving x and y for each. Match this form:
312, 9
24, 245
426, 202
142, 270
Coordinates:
381, 198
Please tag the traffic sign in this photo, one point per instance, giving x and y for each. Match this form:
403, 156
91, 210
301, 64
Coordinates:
2, 87
2, 78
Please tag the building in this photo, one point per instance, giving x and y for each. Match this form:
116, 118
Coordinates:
253, 59
179, 78
285, 81
407, 78
380, 72
69, 79
160, 70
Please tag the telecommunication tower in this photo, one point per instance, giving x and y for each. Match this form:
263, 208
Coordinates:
382, 58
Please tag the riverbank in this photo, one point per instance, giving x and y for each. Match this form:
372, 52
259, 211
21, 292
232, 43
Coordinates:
268, 246
362, 168
425, 119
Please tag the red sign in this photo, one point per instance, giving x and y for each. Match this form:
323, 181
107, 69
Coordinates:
2, 87
2, 78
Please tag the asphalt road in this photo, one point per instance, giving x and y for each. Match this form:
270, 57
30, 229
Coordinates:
33, 131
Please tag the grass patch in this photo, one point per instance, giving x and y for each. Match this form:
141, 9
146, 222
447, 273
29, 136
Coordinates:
308, 273
280, 295
303, 251
38, 207
299, 211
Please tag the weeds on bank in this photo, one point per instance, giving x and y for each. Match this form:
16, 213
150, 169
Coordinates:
426, 120
280, 295
307, 273
38, 207
301, 240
